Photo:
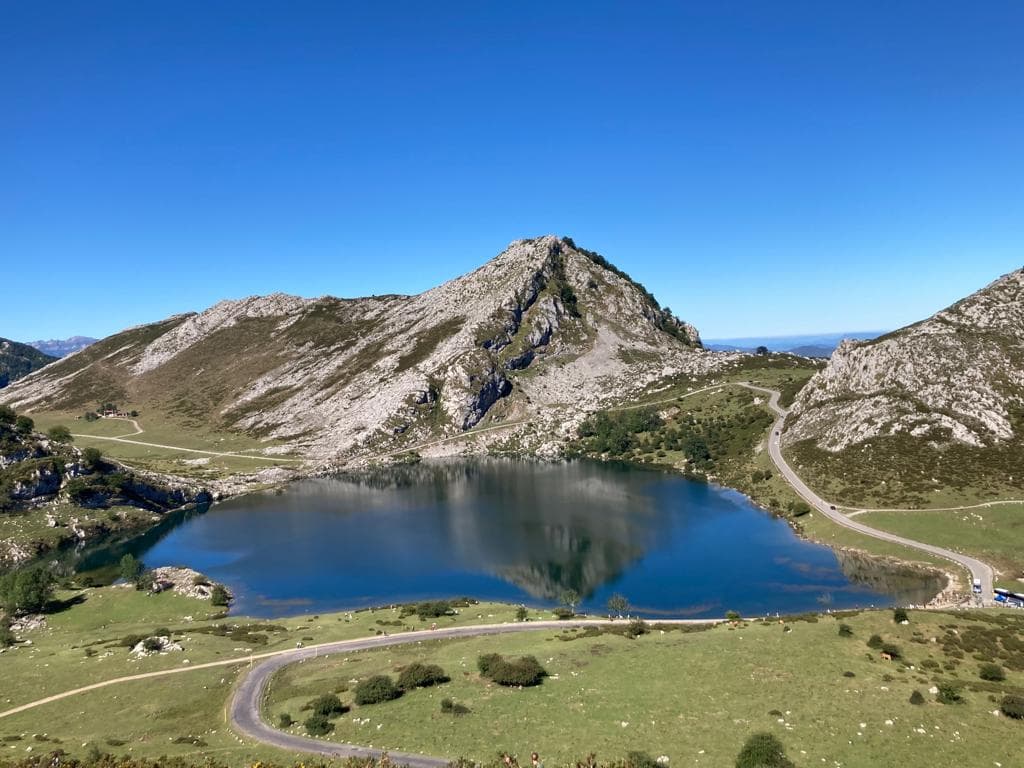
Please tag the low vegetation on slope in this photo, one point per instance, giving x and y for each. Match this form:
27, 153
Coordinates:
19, 360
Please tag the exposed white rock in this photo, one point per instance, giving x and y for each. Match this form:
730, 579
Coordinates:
955, 376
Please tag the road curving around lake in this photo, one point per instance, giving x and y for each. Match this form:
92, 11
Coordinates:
979, 570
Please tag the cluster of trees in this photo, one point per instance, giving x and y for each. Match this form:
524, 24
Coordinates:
615, 433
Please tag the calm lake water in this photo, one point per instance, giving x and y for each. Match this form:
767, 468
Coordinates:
518, 531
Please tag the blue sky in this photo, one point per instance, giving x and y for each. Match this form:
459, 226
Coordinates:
764, 168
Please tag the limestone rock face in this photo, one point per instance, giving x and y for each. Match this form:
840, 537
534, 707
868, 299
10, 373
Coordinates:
957, 376
545, 330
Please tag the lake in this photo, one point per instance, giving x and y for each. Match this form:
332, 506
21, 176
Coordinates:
513, 530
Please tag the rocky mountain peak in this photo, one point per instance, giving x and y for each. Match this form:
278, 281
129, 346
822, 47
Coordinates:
543, 328
956, 376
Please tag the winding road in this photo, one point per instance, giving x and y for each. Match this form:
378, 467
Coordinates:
979, 570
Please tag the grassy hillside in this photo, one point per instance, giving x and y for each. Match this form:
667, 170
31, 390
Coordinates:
19, 360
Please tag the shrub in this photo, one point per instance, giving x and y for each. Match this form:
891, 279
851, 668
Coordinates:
636, 628
891, 649
432, 609
7, 638
59, 434
284, 720
992, 672
485, 662
91, 457
875, 641
450, 707
763, 750
522, 613
219, 595
917, 698
327, 705
949, 693
899, 615
845, 630
849, 674
418, 675
376, 689
151, 644
27, 589
564, 613
1012, 706
525, 670
318, 725
732, 616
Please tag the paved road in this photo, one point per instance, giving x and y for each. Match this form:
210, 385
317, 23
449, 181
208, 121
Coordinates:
249, 695
978, 569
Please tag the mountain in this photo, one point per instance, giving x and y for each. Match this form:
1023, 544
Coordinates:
943, 398
62, 347
18, 360
805, 345
546, 330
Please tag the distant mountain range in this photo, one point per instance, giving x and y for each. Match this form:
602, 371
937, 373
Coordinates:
806, 345
62, 347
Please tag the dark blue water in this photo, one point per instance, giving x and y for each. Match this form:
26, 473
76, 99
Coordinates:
517, 531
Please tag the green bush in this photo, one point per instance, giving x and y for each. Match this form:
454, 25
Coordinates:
91, 457
636, 628
524, 671
219, 595
432, 609
949, 693
891, 649
7, 638
327, 705
875, 641
151, 644
26, 590
899, 615
1012, 706
376, 689
763, 750
284, 720
845, 630
992, 672
318, 725
418, 675
917, 698
130, 568
521, 613
564, 613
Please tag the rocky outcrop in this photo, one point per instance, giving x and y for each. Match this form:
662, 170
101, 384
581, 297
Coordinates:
544, 330
184, 581
956, 377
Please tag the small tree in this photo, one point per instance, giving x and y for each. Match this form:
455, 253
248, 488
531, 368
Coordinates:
7, 638
92, 458
284, 720
618, 605
521, 613
23, 425
376, 689
131, 568
917, 698
949, 693
875, 641
991, 672
570, 598
318, 725
7, 414
27, 590
327, 705
899, 615
59, 434
762, 350
763, 750
219, 596
418, 675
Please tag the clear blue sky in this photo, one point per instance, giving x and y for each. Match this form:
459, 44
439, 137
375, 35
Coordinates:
763, 167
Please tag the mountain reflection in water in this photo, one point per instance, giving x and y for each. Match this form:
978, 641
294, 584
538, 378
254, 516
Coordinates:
511, 530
